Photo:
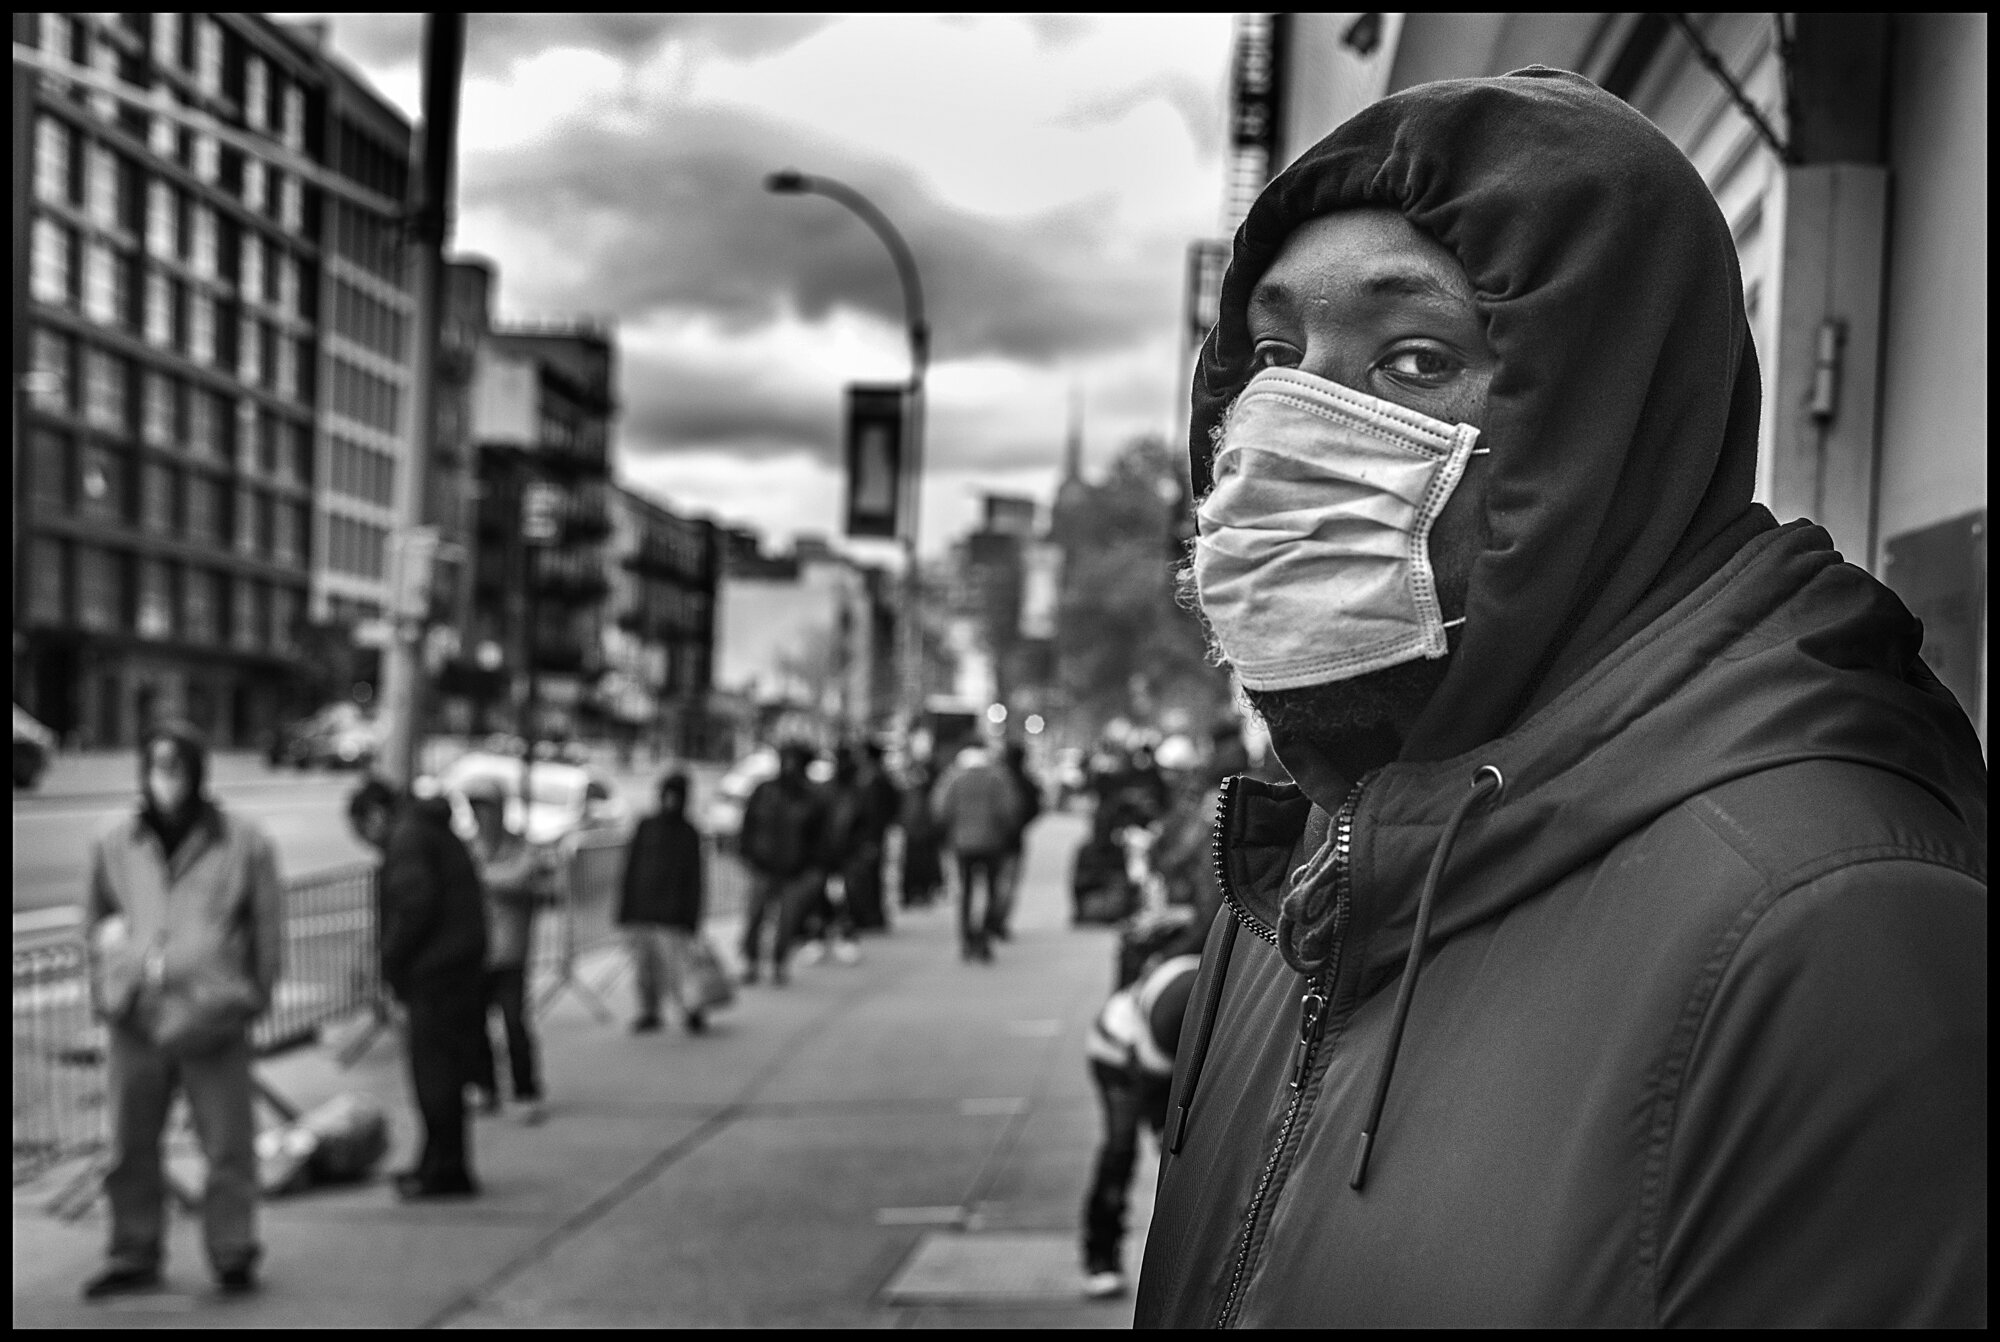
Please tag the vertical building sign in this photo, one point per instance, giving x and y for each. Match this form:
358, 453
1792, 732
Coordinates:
874, 459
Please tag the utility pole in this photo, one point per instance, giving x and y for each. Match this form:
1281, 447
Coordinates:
429, 227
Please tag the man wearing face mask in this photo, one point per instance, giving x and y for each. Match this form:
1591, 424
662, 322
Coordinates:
1618, 956
184, 924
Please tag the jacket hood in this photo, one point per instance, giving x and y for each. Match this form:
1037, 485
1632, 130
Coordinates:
1787, 654
1623, 411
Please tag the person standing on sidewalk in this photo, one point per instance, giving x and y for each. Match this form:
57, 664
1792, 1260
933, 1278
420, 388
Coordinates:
184, 920
660, 904
979, 809
433, 950
516, 880
1131, 1049
923, 868
783, 840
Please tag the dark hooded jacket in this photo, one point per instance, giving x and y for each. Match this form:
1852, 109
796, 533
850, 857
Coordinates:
432, 905
1696, 1034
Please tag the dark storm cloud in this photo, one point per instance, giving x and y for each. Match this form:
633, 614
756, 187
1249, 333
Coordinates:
677, 216
494, 42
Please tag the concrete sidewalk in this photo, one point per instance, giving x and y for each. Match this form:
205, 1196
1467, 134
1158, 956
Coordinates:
904, 1142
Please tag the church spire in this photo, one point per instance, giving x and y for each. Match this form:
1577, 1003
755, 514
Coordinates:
1073, 447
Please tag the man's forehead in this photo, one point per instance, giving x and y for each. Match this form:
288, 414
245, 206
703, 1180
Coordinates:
1366, 253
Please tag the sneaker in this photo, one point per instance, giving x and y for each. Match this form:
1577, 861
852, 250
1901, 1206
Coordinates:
696, 1022
1103, 1284
750, 974
811, 953
779, 977
121, 1281
846, 952
531, 1113
646, 1025
414, 1188
237, 1280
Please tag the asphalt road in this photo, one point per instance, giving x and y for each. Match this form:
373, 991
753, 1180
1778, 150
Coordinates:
305, 815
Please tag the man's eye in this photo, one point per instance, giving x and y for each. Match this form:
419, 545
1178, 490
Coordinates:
1273, 354
1420, 363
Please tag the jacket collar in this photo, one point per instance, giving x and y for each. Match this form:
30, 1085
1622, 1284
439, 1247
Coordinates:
1785, 654
204, 832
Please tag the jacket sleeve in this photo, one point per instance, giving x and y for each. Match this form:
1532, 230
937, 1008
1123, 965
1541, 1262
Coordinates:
411, 902
267, 917
1818, 1146
113, 969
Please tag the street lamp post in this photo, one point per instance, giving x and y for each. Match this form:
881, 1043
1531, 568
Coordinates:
791, 182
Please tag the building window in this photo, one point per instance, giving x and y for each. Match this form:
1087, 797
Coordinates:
286, 383
203, 251
163, 225
48, 469
250, 268
201, 327
288, 285
267, 525
207, 157
200, 612
203, 498
156, 600
58, 36
100, 588
292, 126
103, 61
159, 418
288, 537
102, 483
167, 40
250, 351
103, 292
255, 194
104, 382
52, 382
46, 604
208, 56
291, 203
246, 521
159, 320
100, 186
53, 143
284, 618
256, 92
162, 135
300, 457
205, 425
158, 498
54, 250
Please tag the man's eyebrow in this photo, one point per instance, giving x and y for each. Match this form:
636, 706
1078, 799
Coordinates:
1391, 281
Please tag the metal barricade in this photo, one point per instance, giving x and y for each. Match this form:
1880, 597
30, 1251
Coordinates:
329, 973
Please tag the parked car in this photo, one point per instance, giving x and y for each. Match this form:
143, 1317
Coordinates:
33, 745
338, 736
563, 801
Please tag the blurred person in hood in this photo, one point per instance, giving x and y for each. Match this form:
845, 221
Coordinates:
660, 903
1619, 956
784, 845
432, 916
184, 919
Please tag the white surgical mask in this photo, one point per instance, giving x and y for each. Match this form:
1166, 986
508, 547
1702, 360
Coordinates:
1312, 556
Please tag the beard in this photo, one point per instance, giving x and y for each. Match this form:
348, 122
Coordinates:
1365, 714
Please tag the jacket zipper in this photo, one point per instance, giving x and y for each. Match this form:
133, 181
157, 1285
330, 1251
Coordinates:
1312, 1025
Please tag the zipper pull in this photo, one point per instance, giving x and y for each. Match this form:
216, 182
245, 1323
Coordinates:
1312, 1018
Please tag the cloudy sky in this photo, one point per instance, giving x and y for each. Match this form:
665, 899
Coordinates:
1047, 170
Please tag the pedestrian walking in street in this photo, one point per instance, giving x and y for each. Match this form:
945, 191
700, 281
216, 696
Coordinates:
880, 806
783, 840
923, 863
1130, 1051
516, 881
432, 919
660, 895
979, 809
183, 921
1028, 789
1632, 891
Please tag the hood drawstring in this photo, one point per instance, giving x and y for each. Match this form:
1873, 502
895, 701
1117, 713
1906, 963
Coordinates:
1190, 1076
1487, 781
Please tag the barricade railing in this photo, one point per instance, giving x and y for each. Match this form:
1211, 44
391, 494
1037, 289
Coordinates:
329, 974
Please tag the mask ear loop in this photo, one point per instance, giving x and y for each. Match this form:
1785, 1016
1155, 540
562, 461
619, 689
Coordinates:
1475, 452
